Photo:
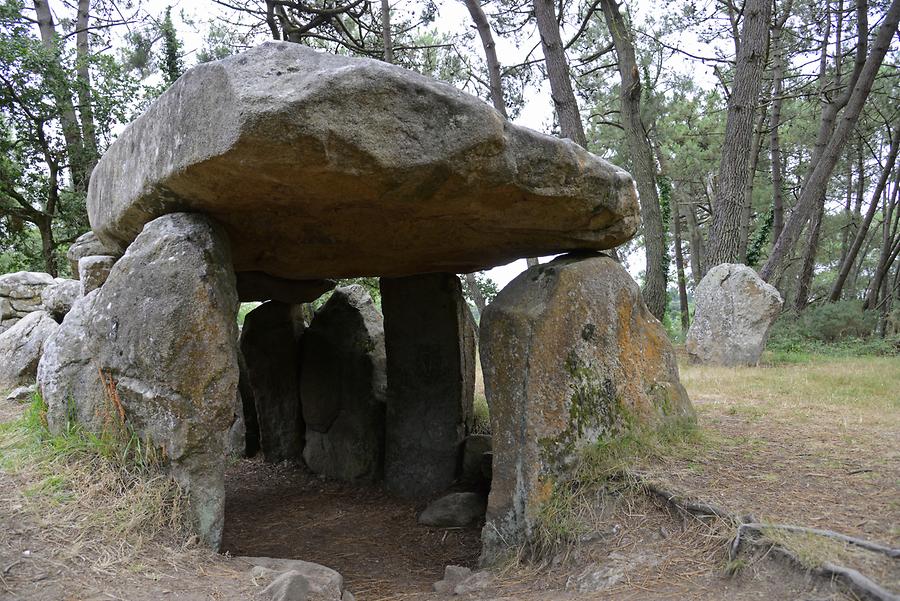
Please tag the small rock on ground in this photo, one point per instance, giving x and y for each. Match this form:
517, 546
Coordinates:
288, 586
22, 394
454, 510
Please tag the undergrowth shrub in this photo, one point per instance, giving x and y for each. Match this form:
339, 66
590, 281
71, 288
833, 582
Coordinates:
836, 329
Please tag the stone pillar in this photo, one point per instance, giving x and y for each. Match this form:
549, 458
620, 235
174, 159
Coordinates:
343, 384
570, 355
156, 344
430, 343
270, 345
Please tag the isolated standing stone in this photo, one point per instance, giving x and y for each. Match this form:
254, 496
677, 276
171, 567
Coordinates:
93, 271
570, 355
59, 297
86, 245
735, 310
159, 338
21, 347
343, 385
324, 166
270, 343
430, 343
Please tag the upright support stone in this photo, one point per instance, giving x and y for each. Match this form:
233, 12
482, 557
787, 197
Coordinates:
157, 342
270, 343
430, 343
342, 384
570, 355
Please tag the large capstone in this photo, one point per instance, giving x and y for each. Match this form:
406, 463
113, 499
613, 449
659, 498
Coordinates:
570, 355
324, 166
21, 347
342, 385
735, 310
158, 341
270, 344
430, 341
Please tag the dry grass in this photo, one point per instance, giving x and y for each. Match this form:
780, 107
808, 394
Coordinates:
99, 500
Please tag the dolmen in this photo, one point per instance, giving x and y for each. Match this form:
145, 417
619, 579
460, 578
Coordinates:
269, 176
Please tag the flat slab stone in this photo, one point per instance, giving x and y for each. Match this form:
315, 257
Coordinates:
322, 166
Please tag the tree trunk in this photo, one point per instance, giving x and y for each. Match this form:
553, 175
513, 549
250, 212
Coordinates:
698, 250
725, 233
747, 213
862, 230
642, 163
63, 98
807, 270
83, 75
475, 293
775, 123
816, 185
679, 269
387, 43
564, 102
490, 54
890, 247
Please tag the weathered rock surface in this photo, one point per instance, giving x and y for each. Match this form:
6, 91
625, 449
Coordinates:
456, 510
161, 332
270, 344
59, 297
343, 385
476, 458
324, 583
327, 166
22, 394
430, 343
20, 294
93, 271
735, 310
570, 355
86, 245
288, 586
248, 406
21, 347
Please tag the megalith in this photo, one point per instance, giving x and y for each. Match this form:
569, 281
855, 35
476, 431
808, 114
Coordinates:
324, 166
156, 343
734, 311
343, 386
430, 342
270, 344
21, 347
20, 294
59, 297
86, 245
570, 355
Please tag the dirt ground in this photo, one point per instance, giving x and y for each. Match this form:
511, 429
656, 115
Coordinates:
782, 456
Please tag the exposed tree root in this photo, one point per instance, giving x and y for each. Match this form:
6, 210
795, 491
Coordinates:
855, 581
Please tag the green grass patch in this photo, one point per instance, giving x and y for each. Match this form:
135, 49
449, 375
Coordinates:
109, 490
600, 477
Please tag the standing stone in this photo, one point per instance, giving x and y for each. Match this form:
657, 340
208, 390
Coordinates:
270, 343
735, 310
93, 271
430, 343
20, 294
86, 245
570, 355
158, 338
59, 297
343, 386
248, 408
21, 347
